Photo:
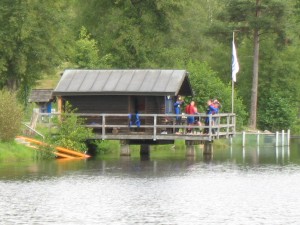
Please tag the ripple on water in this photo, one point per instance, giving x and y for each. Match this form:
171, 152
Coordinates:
198, 193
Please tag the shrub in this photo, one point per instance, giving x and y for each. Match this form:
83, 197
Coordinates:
276, 113
11, 115
70, 132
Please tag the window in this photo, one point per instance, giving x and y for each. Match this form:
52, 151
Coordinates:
169, 105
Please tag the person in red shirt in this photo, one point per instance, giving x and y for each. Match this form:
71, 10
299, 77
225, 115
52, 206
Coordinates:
191, 110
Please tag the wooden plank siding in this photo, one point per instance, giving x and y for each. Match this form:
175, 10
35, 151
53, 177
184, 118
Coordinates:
100, 104
154, 105
116, 104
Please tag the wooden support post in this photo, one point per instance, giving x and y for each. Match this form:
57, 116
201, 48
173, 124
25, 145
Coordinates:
208, 148
288, 137
59, 104
125, 150
59, 107
190, 148
92, 147
144, 149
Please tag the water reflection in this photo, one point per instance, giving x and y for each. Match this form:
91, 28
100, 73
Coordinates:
231, 186
254, 156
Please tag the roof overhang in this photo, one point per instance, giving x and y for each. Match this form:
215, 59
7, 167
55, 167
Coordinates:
124, 82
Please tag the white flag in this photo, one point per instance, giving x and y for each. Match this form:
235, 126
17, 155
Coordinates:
235, 63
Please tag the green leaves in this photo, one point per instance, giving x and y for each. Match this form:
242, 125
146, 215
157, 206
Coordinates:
40, 38
70, 131
277, 113
11, 116
85, 52
32, 41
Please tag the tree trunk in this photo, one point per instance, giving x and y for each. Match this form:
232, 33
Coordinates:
11, 80
254, 91
11, 84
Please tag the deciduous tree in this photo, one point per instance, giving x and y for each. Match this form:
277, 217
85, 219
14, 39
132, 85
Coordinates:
32, 40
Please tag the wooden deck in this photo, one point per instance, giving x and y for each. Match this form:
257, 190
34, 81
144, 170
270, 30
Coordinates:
156, 128
160, 127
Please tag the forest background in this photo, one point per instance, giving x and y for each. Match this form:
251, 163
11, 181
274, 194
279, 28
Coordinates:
39, 39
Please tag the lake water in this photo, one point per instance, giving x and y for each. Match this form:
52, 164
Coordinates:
234, 186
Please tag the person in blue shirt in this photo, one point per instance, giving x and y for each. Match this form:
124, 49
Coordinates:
211, 110
177, 110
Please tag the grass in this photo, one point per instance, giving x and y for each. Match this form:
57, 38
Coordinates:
15, 152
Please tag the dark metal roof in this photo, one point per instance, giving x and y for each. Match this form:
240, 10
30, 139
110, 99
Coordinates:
123, 82
40, 95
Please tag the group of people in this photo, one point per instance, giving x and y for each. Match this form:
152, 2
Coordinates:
213, 106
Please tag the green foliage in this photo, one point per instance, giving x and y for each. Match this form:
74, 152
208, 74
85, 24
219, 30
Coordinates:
246, 16
107, 146
39, 38
11, 116
135, 33
32, 41
207, 85
86, 53
295, 129
276, 113
14, 152
70, 131
277, 27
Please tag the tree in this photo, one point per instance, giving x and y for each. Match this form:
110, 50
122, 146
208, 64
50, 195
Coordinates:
33, 40
278, 114
86, 53
259, 18
135, 33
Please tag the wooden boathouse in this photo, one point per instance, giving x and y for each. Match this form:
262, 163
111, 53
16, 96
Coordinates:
42, 98
112, 101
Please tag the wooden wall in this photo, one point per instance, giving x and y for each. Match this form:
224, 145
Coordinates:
118, 104
99, 104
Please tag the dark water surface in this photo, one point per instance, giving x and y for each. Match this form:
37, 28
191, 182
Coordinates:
234, 186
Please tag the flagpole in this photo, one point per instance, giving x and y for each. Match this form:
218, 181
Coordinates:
232, 95
234, 69
232, 86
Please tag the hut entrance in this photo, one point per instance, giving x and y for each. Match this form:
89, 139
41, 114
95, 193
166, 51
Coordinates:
137, 106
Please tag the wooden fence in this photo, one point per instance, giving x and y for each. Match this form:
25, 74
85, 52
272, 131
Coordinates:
155, 126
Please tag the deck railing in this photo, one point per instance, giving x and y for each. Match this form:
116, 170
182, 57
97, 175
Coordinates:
156, 126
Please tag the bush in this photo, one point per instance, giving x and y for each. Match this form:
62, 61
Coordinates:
70, 132
276, 113
295, 129
11, 115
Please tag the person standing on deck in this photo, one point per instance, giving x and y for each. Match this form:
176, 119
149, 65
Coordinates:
217, 106
177, 110
191, 110
211, 109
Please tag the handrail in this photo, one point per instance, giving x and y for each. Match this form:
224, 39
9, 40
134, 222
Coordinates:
35, 131
219, 124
